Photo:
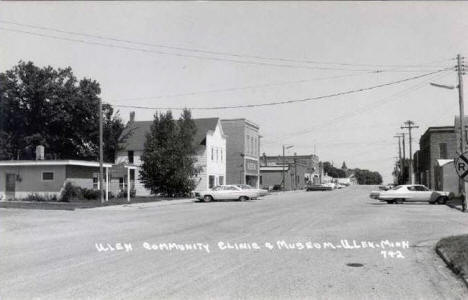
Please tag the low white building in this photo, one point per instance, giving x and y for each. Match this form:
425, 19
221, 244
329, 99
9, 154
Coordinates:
210, 143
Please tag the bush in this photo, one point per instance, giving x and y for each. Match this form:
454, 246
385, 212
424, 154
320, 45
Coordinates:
90, 194
70, 192
40, 198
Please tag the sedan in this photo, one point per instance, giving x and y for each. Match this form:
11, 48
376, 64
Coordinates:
226, 192
411, 193
319, 187
260, 192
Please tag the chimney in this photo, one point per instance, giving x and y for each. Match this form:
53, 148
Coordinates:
40, 152
132, 117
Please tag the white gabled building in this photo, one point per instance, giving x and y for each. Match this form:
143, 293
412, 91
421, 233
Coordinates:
210, 143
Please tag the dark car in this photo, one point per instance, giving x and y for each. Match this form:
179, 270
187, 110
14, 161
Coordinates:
319, 187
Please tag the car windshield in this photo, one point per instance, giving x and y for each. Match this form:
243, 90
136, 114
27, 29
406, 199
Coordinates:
396, 188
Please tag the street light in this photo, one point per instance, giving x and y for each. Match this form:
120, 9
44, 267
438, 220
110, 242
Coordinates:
285, 147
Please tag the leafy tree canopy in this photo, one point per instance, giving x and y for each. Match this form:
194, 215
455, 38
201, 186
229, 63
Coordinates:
168, 160
51, 107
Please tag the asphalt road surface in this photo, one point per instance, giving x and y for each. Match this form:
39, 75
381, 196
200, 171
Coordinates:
50, 254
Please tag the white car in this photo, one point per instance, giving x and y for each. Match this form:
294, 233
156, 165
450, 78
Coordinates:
411, 193
260, 192
226, 192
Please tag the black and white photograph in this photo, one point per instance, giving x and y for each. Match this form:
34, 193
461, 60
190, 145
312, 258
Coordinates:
233, 150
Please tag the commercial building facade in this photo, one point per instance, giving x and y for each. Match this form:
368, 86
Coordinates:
242, 152
298, 170
435, 144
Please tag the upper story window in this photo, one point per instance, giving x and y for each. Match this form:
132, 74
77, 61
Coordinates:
217, 154
248, 144
130, 157
443, 150
212, 153
221, 154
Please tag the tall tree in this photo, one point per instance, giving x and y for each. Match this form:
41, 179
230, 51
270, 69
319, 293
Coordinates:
51, 107
168, 159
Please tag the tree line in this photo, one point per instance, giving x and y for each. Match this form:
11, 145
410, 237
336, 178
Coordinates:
362, 176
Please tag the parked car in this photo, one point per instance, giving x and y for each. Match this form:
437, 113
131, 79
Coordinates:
319, 187
411, 193
226, 192
260, 192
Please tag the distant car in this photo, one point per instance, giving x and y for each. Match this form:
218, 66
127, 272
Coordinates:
260, 192
411, 193
226, 192
319, 187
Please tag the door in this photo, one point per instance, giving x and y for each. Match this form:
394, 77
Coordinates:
423, 194
10, 186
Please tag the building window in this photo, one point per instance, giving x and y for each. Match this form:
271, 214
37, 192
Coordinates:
443, 150
222, 154
221, 180
95, 183
261, 179
121, 183
211, 181
217, 156
47, 176
212, 153
248, 144
130, 157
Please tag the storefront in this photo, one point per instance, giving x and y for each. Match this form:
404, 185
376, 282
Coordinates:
251, 172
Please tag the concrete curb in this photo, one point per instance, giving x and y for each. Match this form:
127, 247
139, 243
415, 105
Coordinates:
449, 264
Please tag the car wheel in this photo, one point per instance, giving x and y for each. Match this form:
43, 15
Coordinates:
207, 198
399, 201
390, 201
243, 198
441, 200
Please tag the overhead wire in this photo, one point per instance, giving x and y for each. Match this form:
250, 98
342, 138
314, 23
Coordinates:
211, 52
308, 99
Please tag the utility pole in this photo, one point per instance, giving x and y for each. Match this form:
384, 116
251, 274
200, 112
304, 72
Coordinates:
403, 163
101, 171
399, 151
410, 125
284, 162
461, 71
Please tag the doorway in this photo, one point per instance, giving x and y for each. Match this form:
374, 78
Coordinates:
10, 183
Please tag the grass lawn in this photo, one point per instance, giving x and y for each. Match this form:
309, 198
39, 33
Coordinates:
74, 204
455, 250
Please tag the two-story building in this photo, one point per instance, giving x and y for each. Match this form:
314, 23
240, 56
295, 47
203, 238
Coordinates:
243, 151
435, 144
209, 141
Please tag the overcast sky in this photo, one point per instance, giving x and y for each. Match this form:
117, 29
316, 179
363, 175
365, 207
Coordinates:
320, 48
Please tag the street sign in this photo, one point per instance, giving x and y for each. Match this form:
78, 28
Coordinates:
461, 166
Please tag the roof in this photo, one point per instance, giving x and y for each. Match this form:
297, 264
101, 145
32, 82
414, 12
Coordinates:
137, 139
242, 120
83, 163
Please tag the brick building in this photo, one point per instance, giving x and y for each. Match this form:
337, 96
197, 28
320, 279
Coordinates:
298, 170
242, 151
436, 143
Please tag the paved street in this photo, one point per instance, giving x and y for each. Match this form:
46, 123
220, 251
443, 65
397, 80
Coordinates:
52, 254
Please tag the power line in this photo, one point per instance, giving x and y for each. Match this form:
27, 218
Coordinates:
204, 51
287, 101
361, 111
242, 88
